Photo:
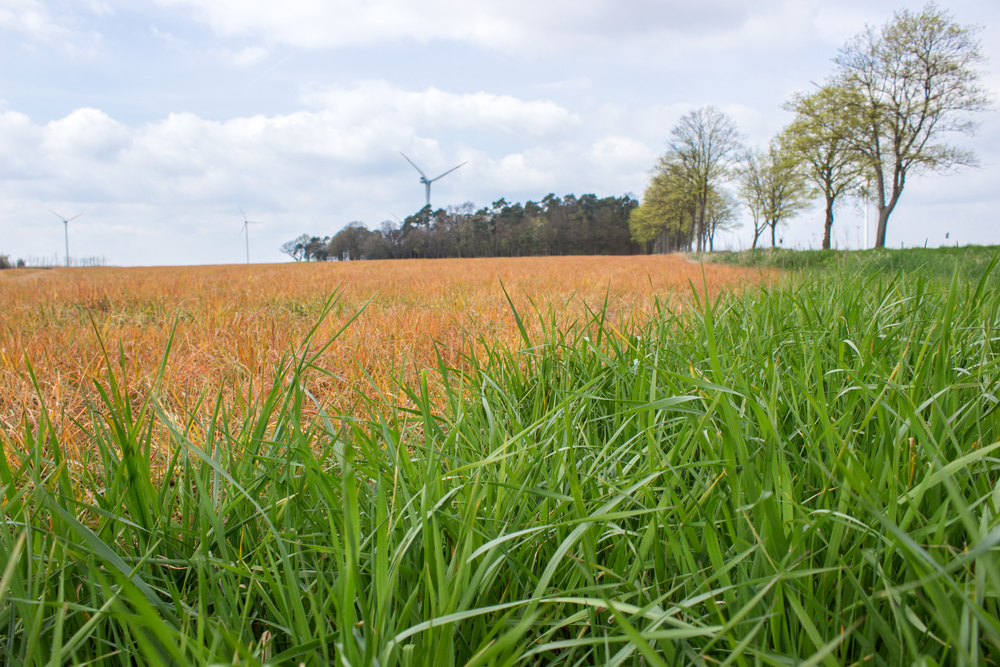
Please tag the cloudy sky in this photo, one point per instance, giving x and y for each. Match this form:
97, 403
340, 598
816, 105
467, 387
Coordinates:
157, 119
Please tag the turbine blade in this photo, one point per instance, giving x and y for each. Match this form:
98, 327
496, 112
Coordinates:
449, 171
75, 217
61, 218
414, 166
242, 213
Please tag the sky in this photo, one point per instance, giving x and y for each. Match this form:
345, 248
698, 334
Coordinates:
156, 121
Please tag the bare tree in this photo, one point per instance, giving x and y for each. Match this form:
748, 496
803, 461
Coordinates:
906, 85
772, 187
296, 248
706, 144
720, 214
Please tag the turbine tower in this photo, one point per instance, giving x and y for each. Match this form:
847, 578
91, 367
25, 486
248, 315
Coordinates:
246, 230
427, 181
66, 225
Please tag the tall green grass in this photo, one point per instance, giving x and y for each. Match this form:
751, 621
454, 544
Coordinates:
802, 474
971, 262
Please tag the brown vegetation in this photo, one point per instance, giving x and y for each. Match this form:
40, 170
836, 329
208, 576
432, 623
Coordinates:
234, 323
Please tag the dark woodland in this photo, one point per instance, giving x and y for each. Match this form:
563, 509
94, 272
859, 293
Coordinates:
570, 225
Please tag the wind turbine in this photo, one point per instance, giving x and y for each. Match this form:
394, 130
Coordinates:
246, 230
427, 181
66, 225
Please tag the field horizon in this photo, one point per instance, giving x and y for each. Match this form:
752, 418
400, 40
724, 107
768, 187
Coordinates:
793, 469
232, 323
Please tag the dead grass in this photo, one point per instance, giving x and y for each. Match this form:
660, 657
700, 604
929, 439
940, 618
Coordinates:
235, 322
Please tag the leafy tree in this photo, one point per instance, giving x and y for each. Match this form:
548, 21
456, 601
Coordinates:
421, 218
906, 85
706, 144
317, 249
773, 188
669, 209
819, 139
349, 242
585, 225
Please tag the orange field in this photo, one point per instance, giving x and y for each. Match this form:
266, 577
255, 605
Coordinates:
234, 323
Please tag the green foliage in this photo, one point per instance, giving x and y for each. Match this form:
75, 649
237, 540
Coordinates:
703, 150
571, 225
669, 210
773, 187
904, 87
800, 474
818, 140
971, 262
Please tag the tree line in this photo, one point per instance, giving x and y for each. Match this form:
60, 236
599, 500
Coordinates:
877, 120
570, 225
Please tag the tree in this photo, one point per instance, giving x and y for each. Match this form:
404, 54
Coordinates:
296, 248
587, 225
720, 214
905, 86
706, 144
317, 249
669, 209
772, 187
818, 139
349, 242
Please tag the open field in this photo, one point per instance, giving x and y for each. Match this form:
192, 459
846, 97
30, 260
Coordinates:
800, 473
234, 323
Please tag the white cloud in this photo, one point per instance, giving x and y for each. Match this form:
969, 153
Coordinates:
311, 170
245, 57
88, 135
42, 27
433, 108
618, 152
30, 17
509, 25
355, 134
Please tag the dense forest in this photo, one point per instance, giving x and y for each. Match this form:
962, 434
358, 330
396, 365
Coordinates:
570, 225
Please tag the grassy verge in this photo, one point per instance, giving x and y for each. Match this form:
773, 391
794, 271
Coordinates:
938, 263
804, 474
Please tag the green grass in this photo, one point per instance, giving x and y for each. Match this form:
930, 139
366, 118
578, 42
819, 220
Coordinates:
804, 474
939, 263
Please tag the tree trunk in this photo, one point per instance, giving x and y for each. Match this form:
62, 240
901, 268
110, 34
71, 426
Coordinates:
701, 226
828, 224
883, 222
884, 210
774, 226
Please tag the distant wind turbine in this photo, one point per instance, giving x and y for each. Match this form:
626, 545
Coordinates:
66, 225
427, 181
246, 230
